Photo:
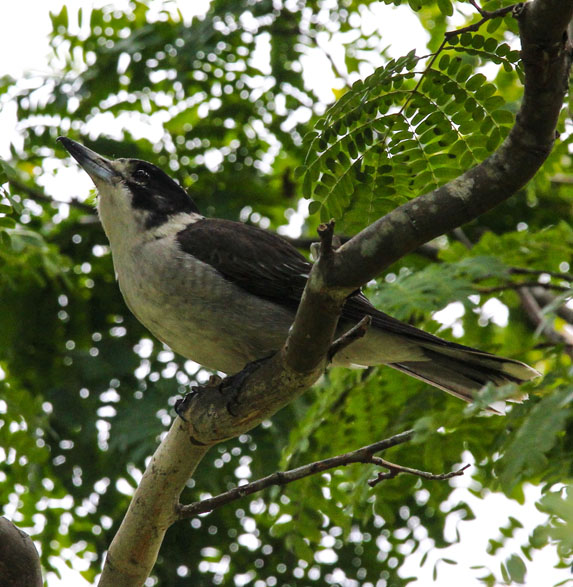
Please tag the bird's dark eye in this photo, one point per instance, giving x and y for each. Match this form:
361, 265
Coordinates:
141, 175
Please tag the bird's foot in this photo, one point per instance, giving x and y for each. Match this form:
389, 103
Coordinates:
182, 405
230, 386
233, 384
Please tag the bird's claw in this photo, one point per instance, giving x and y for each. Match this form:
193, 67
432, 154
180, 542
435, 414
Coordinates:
233, 384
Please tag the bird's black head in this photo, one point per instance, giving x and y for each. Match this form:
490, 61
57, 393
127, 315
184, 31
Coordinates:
154, 192
131, 190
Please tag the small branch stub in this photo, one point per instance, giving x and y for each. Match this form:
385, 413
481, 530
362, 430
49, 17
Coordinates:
326, 235
350, 336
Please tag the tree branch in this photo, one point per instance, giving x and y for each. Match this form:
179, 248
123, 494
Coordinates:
361, 455
555, 274
394, 470
426, 250
486, 15
539, 321
350, 336
262, 389
546, 58
214, 413
518, 286
40, 196
152, 510
545, 298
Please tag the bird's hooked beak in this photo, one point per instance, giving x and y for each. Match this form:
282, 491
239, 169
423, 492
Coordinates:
97, 167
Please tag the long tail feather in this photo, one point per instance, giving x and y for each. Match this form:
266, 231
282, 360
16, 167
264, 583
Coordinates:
463, 372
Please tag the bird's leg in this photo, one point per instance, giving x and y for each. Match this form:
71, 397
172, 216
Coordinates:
182, 405
232, 384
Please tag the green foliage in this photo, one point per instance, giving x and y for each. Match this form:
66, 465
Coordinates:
559, 506
222, 101
402, 132
445, 6
545, 250
526, 454
411, 294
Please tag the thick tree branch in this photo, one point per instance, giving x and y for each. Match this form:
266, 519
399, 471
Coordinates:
244, 400
214, 413
153, 509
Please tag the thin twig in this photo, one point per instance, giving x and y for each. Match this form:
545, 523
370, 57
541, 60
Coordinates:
540, 322
462, 237
394, 469
447, 36
333, 64
472, 28
478, 8
350, 336
552, 305
506, 286
361, 455
551, 345
40, 196
555, 274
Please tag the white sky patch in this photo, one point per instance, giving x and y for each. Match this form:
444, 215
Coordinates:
451, 316
295, 219
491, 514
495, 311
28, 52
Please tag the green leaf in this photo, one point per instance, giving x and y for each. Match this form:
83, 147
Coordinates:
516, 569
299, 171
526, 454
314, 207
445, 7
60, 19
6, 222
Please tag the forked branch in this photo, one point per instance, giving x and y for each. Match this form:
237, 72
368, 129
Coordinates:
362, 455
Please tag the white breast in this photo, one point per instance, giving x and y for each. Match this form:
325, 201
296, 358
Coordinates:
189, 305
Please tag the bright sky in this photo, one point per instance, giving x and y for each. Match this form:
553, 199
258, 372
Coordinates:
24, 25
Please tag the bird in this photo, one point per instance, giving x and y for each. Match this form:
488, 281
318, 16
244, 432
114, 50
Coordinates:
224, 294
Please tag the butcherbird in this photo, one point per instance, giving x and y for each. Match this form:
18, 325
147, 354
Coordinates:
224, 293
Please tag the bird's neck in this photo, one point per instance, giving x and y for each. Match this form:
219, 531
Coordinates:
126, 227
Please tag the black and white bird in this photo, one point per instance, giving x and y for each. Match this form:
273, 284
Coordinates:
224, 293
